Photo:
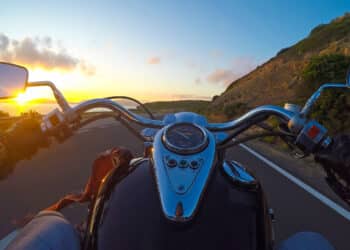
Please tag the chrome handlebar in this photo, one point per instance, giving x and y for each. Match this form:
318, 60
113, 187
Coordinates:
264, 111
115, 107
312, 100
247, 119
308, 133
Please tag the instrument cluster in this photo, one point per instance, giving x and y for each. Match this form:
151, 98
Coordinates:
183, 157
185, 138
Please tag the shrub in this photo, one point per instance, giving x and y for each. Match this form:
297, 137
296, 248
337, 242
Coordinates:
233, 109
332, 108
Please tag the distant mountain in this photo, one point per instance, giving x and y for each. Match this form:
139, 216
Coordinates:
280, 79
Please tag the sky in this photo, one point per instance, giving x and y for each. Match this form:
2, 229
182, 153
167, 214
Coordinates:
152, 50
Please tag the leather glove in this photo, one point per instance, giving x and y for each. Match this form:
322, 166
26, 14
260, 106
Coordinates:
20, 142
336, 162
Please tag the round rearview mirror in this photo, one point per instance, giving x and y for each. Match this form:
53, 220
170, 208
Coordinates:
13, 80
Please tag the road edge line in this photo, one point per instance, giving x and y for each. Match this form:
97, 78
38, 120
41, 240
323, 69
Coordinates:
322, 198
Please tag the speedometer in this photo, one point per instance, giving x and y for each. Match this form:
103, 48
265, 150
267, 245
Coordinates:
185, 138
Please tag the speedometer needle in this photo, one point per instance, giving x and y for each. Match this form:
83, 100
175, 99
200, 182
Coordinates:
183, 135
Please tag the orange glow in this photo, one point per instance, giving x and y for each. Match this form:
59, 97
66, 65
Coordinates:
77, 87
32, 95
21, 99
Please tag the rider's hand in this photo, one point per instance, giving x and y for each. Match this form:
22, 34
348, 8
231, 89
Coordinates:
21, 141
336, 162
337, 156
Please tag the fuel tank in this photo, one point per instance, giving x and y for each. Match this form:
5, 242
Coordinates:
127, 214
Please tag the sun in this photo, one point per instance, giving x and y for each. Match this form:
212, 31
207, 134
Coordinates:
22, 98
31, 95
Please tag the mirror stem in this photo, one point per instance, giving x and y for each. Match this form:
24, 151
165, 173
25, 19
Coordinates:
312, 100
62, 102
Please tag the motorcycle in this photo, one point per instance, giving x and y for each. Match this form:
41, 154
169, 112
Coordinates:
182, 193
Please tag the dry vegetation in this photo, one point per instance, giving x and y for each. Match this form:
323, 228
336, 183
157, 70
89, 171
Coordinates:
282, 79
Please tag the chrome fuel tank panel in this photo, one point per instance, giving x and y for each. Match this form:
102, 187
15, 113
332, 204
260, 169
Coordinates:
181, 179
238, 174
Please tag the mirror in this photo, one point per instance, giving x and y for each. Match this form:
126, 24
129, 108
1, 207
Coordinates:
348, 78
13, 79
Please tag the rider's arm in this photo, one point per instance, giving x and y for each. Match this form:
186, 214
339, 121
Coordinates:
20, 142
336, 163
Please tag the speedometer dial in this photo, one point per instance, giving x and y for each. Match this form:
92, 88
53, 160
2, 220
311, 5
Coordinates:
185, 138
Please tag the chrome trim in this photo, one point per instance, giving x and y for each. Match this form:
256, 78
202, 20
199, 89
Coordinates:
327, 142
259, 111
186, 151
292, 108
181, 187
149, 133
135, 161
46, 123
235, 171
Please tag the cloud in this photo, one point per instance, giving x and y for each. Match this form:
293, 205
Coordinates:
240, 67
154, 60
41, 53
221, 76
198, 80
87, 68
4, 42
216, 54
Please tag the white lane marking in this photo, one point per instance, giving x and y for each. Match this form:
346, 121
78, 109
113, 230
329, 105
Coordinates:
325, 200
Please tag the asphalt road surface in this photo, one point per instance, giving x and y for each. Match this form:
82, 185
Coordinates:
64, 168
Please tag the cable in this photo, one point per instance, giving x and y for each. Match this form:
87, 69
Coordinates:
110, 115
241, 129
252, 137
94, 118
136, 101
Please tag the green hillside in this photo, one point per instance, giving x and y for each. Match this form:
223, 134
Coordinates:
294, 73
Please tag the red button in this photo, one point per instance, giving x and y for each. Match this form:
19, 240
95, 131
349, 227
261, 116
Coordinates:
313, 132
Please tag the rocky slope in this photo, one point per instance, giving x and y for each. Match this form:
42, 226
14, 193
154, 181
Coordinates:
277, 80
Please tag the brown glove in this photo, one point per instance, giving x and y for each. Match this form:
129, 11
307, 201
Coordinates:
20, 142
110, 159
336, 162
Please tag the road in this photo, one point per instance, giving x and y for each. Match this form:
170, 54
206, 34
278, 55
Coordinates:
64, 168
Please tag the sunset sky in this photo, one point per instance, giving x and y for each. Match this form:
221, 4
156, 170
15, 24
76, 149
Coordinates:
152, 50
